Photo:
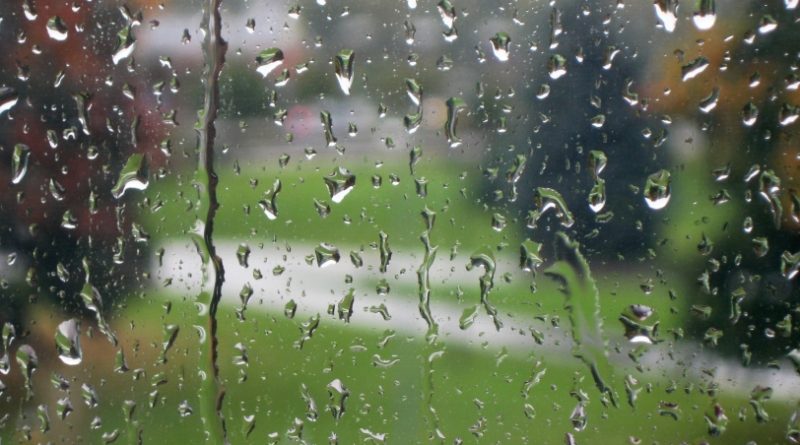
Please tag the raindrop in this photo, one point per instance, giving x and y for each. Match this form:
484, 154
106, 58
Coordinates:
19, 163
8, 98
343, 66
694, 68
268, 60
326, 255
708, 103
134, 176
57, 29
28, 362
556, 66
339, 183
125, 45
500, 46
667, 13
268, 203
749, 114
327, 127
68, 342
657, 190
705, 15
454, 107
338, 395
767, 24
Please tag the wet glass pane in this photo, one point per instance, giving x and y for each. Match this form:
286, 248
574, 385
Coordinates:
354, 221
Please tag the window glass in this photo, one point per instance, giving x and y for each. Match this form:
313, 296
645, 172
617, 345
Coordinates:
416, 221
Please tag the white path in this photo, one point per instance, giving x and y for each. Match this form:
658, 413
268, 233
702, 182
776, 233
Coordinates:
314, 289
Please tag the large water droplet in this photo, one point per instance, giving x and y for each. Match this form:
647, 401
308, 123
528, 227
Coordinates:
268, 204
454, 107
547, 199
694, 68
667, 13
339, 183
343, 66
657, 190
338, 395
57, 29
8, 98
556, 66
500, 46
326, 255
125, 45
19, 163
134, 176
706, 15
68, 342
268, 60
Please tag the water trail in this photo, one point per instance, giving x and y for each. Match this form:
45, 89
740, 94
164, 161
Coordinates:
583, 304
210, 392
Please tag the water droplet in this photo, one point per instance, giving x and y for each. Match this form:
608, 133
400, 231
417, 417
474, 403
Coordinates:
268, 203
57, 29
454, 107
708, 103
125, 45
343, 67
500, 46
556, 66
788, 114
767, 24
705, 15
28, 362
667, 13
327, 127
68, 342
749, 114
8, 98
597, 196
385, 251
326, 255
657, 190
134, 176
641, 325
546, 199
338, 395
268, 60
339, 183
694, 68
19, 163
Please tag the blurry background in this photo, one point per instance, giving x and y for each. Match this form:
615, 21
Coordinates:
660, 138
